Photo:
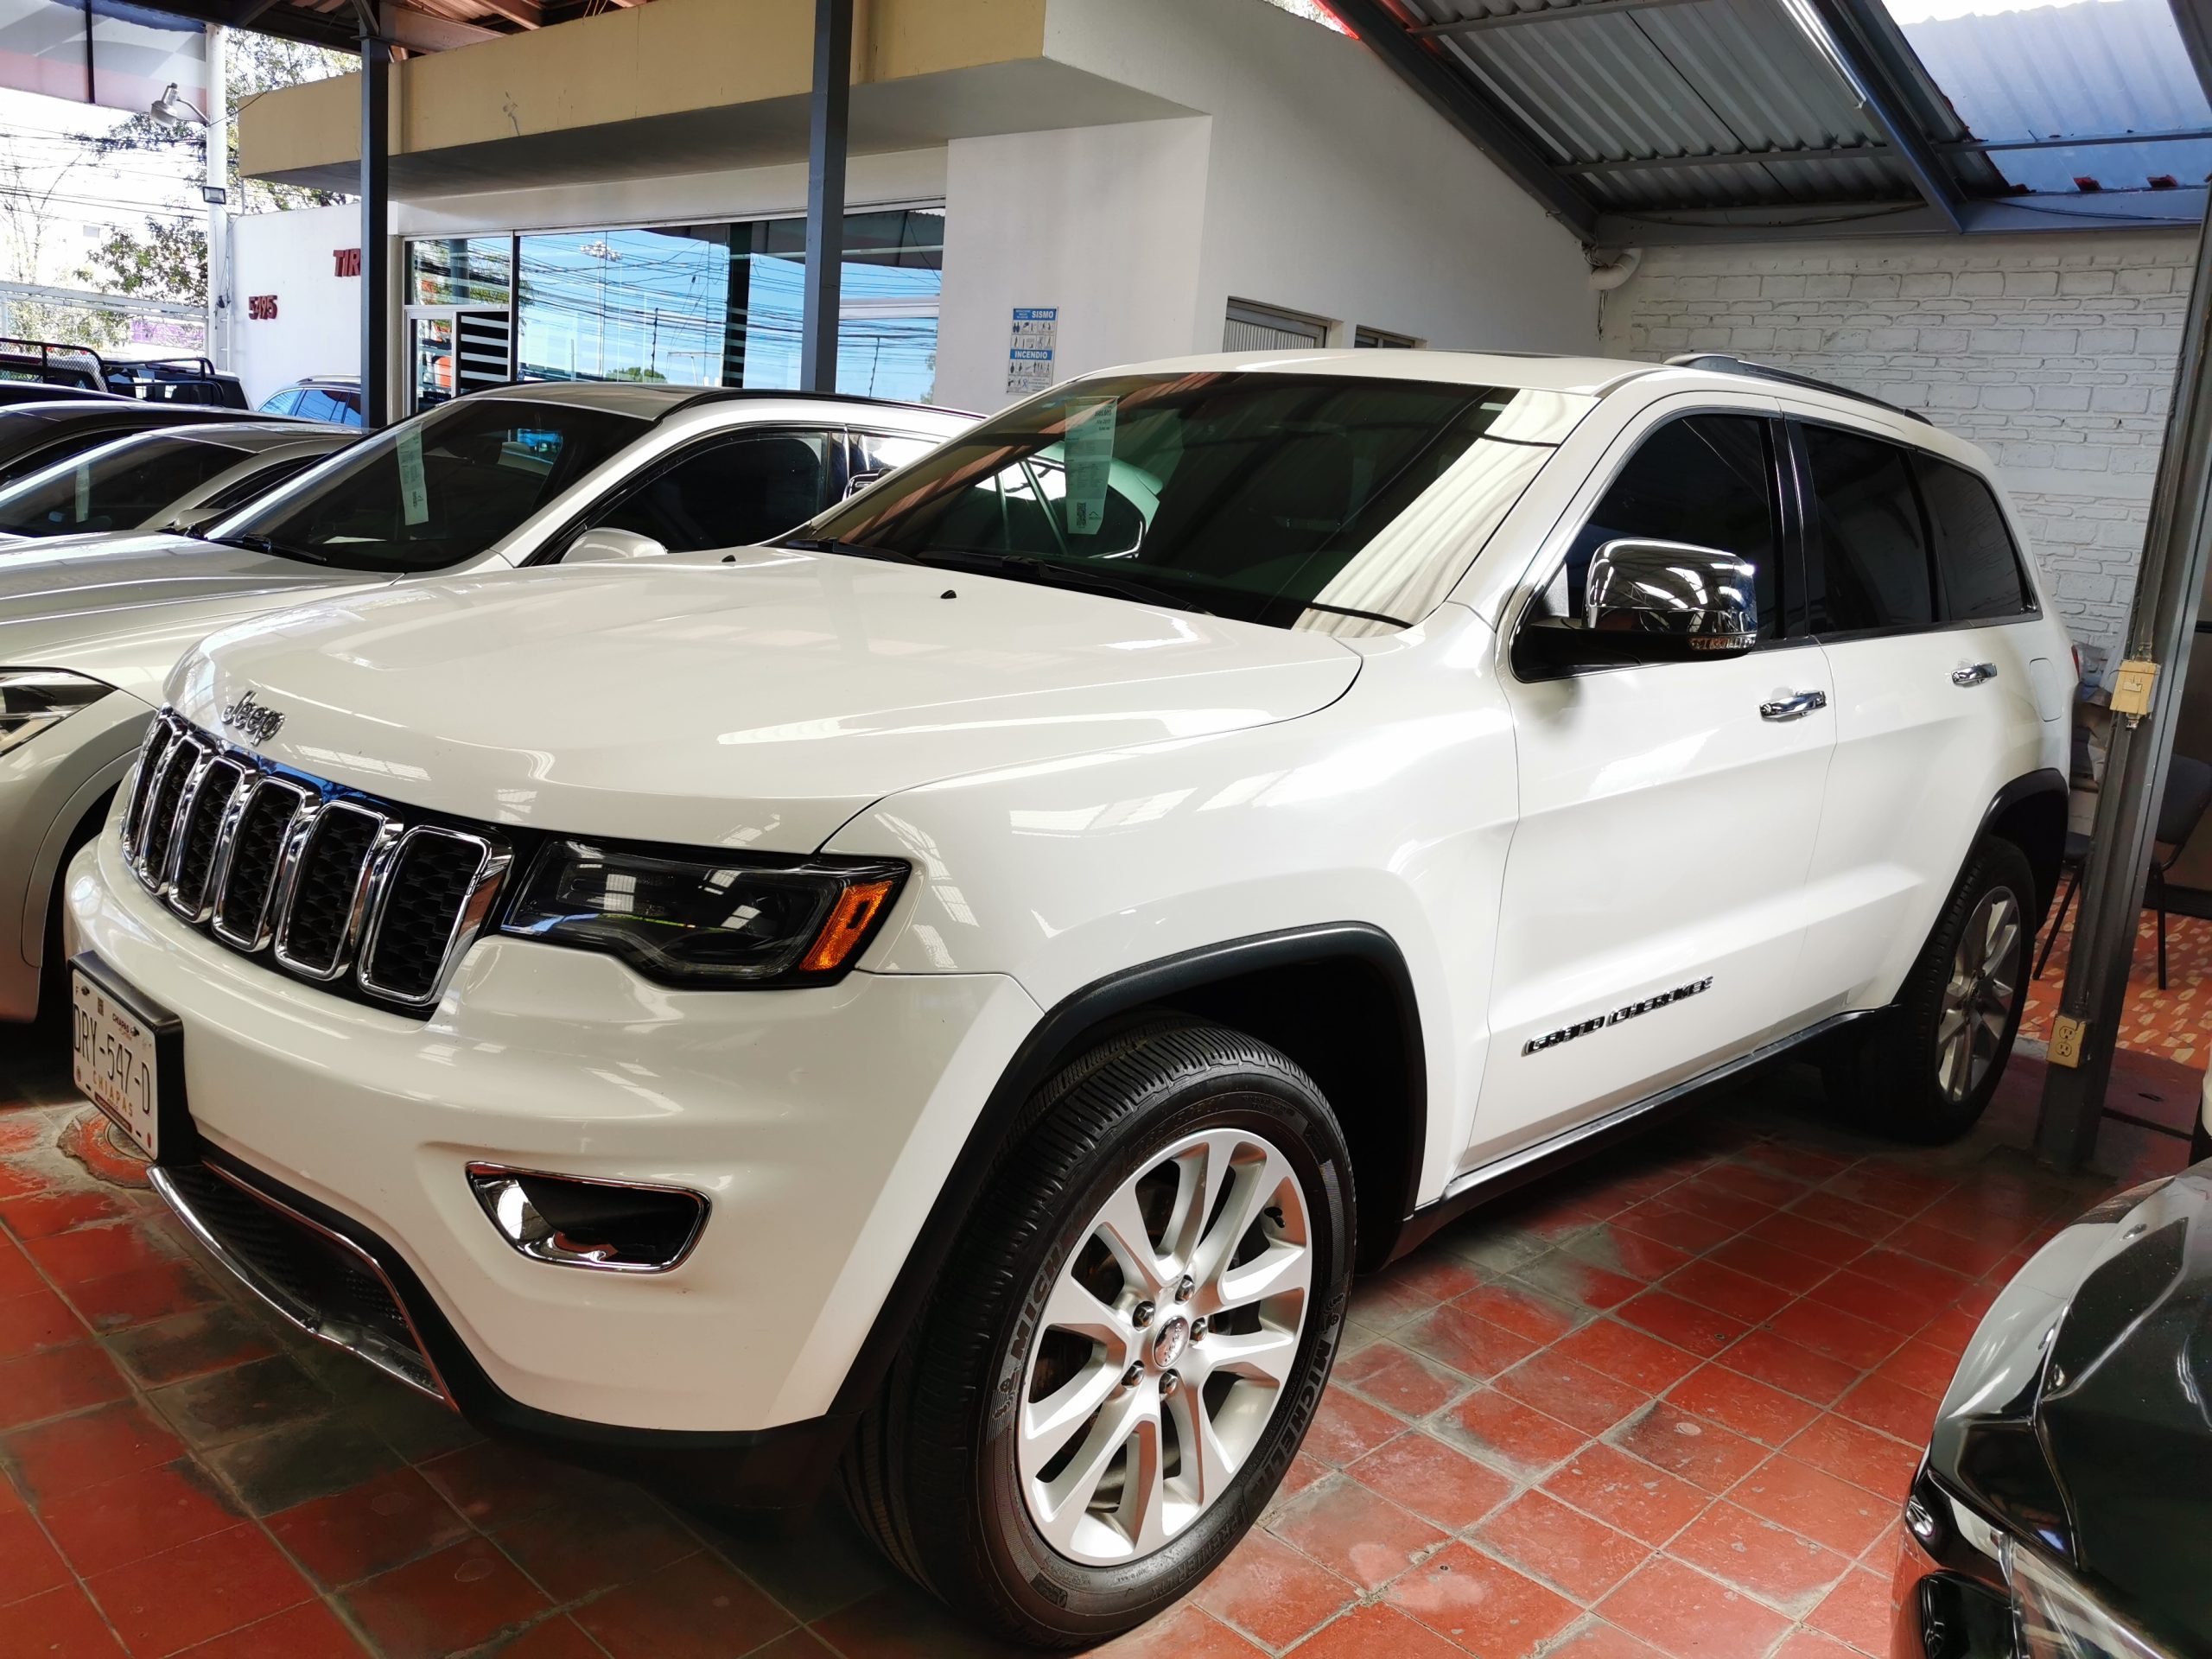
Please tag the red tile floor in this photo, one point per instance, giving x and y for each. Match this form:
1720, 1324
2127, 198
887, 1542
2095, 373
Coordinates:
1667, 1404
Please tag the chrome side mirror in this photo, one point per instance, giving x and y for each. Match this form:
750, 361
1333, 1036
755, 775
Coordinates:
606, 545
1674, 597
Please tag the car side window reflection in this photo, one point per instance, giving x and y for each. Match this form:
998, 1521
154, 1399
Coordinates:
1706, 479
728, 493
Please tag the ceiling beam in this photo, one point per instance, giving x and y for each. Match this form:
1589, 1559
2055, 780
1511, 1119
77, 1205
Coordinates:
1731, 158
522, 14
1876, 152
1540, 15
2108, 211
1864, 52
1464, 103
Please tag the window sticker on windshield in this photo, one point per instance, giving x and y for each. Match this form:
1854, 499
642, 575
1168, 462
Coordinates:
83, 492
414, 493
1089, 449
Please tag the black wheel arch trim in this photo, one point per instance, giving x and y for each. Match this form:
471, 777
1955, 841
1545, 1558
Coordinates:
2047, 780
1048, 1045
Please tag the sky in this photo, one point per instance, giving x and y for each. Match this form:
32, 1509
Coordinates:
1925, 12
40, 152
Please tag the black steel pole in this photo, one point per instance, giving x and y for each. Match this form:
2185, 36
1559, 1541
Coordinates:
376, 274
825, 195
2160, 625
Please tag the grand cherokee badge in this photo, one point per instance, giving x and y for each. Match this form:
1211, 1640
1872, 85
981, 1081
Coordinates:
252, 720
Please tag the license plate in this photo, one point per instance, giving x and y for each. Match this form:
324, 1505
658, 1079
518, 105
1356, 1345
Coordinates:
116, 1062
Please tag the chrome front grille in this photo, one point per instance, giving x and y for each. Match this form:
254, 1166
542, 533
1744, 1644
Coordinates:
336, 889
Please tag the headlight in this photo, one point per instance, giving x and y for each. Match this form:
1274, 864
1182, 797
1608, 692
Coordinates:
32, 699
729, 922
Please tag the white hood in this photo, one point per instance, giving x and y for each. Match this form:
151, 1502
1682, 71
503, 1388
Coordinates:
759, 702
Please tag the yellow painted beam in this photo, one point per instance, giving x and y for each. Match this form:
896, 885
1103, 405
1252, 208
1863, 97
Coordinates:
671, 57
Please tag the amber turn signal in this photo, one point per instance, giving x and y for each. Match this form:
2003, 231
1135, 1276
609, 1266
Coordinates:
849, 920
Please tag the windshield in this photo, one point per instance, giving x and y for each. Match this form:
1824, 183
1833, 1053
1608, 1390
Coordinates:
1277, 499
116, 487
436, 490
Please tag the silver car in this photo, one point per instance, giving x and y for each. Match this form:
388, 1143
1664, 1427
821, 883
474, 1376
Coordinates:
519, 475
163, 479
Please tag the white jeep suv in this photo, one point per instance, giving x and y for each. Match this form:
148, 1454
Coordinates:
959, 991
514, 475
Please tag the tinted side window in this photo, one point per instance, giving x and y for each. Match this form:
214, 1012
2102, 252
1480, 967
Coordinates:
730, 494
1870, 562
317, 404
1706, 479
284, 402
239, 491
880, 451
1983, 576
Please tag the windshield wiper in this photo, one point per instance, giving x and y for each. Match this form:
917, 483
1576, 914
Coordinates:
850, 549
265, 544
1027, 567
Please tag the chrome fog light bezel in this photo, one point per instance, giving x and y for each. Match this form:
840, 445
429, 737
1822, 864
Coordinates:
500, 1191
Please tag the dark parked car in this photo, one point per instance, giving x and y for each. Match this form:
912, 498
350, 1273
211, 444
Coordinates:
319, 397
36, 434
176, 380
166, 479
2064, 1508
39, 391
78, 369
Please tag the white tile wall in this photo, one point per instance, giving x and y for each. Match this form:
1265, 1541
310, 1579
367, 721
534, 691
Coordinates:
2055, 353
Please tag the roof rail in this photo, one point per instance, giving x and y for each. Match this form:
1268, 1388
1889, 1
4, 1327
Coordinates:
1721, 363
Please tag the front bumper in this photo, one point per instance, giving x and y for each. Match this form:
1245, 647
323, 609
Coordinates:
818, 1122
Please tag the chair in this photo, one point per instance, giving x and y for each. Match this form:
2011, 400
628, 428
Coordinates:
2188, 792
2181, 809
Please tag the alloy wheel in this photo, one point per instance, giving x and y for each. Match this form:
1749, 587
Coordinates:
1978, 1000
1169, 1335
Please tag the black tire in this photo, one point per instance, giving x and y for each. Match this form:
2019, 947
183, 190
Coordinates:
931, 1473
54, 966
1889, 1076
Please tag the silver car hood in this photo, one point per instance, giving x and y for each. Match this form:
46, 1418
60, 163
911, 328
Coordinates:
124, 610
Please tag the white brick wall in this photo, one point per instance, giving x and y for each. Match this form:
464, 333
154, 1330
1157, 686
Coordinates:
2054, 353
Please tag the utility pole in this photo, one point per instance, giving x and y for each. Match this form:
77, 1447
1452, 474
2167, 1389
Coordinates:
216, 192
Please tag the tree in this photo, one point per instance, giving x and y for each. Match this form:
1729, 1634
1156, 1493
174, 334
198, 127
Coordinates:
168, 263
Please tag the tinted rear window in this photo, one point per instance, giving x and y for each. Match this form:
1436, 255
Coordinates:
1983, 576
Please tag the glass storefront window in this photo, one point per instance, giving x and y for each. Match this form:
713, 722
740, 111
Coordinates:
459, 270
719, 305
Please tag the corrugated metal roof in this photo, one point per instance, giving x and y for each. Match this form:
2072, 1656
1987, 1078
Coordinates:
2065, 71
1665, 86
1699, 79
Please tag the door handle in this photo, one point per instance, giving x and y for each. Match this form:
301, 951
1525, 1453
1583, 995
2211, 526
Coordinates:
1796, 704
1972, 673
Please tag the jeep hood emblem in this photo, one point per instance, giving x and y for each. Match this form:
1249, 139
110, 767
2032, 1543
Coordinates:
254, 721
